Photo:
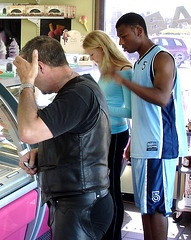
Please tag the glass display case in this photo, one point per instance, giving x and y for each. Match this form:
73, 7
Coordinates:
10, 148
12, 177
21, 213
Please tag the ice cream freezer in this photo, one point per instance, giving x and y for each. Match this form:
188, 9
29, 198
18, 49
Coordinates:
21, 214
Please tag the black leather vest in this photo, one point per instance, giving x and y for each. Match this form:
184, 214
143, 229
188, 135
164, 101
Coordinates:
71, 163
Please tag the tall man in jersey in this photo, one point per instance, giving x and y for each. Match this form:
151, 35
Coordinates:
158, 129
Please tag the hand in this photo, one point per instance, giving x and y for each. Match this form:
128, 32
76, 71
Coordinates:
116, 76
30, 158
27, 71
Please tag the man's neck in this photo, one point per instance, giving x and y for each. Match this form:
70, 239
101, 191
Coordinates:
66, 77
145, 48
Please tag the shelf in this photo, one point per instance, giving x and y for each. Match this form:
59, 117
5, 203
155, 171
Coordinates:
182, 206
33, 17
184, 209
186, 170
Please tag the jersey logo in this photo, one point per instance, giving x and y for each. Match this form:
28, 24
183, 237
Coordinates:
155, 196
144, 65
152, 146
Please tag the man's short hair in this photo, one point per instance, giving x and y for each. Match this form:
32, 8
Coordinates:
132, 19
50, 51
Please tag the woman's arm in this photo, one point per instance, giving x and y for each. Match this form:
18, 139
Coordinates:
124, 112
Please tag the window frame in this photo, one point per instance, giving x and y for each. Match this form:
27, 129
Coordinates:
99, 15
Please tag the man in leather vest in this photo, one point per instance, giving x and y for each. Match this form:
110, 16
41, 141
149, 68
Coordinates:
73, 136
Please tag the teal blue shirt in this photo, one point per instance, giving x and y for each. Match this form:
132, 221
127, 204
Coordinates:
118, 98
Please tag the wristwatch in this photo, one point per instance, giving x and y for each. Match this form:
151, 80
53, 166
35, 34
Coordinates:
26, 85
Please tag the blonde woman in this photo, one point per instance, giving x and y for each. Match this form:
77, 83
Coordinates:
105, 53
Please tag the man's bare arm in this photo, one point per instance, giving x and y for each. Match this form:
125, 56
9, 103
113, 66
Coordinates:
31, 128
163, 82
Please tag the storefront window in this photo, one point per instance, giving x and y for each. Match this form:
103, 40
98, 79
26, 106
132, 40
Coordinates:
169, 24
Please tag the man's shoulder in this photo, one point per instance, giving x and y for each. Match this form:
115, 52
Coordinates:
87, 83
88, 79
81, 81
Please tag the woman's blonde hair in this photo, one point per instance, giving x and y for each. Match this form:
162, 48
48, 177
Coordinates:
112, 55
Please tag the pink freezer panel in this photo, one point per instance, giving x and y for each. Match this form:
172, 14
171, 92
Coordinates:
19, 235
18, 214
44, 227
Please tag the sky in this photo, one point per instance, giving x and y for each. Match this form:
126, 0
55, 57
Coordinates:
165, 7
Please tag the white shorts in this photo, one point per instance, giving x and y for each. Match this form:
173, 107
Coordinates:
153, 183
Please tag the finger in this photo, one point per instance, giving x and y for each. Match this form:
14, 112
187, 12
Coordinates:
21, 164
32, 171
29, 171
35, 56
32, 158
24, 158
16, 61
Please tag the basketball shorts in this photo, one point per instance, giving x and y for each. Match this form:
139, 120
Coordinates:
153, 184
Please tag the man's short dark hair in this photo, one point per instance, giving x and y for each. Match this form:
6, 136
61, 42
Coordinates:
132, 19
50, 51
